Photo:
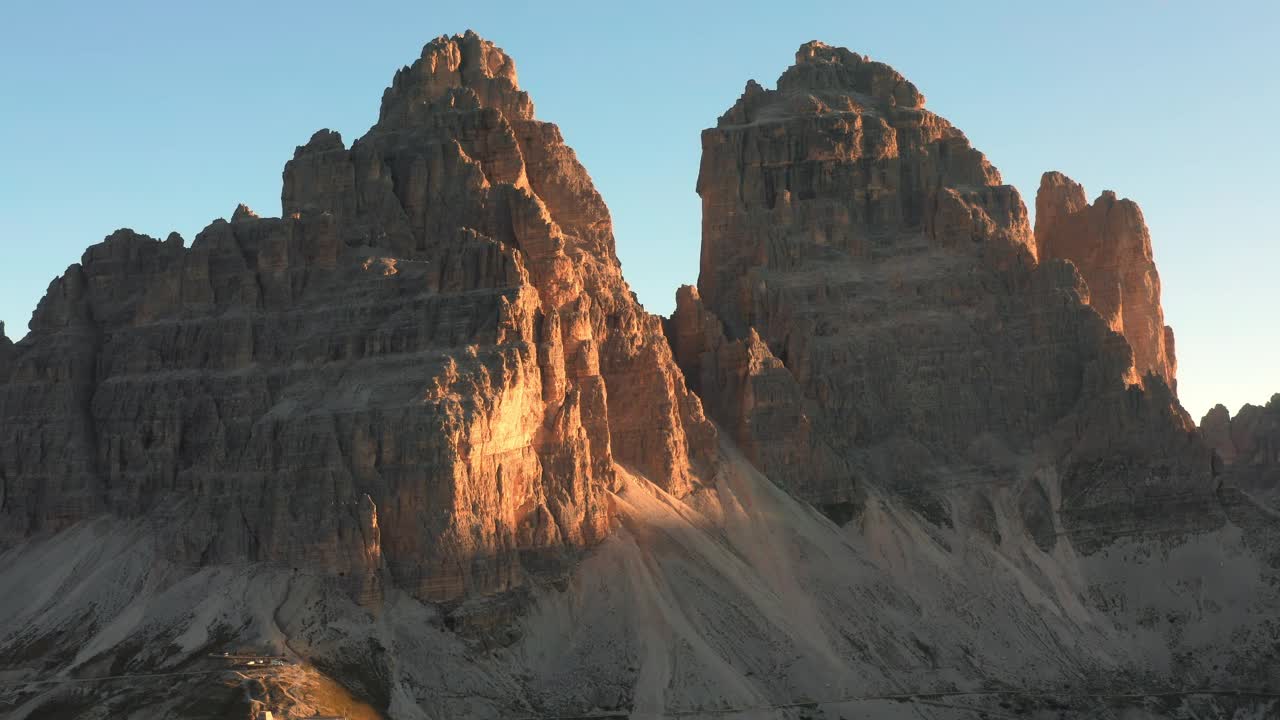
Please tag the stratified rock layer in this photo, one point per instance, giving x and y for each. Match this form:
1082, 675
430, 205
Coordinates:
426, 370
1109, 243
871, 312
429, 374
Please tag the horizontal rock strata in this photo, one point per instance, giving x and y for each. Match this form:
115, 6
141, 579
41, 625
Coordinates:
425, 370
871, 312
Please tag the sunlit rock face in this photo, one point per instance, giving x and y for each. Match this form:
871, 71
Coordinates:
424, 372
1109, 243
871, 310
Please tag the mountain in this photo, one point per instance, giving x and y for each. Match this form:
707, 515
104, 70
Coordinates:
1109, 243
416, 440
879, 317
1248, 446
427, 367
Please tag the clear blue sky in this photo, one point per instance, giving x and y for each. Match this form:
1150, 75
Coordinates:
163, 115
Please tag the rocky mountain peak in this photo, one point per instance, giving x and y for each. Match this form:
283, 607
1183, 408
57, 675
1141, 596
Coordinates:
464, 62
424, 374
1058, 195
1109, 243
322, 140
1249, 446
1215, 427
877, 258
243, 213
820, 67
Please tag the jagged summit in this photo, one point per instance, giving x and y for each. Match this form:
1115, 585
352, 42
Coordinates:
1215, 426
822, 67
826, 79
321, 140
421, 376
465, 68
868, 247
1108, 242
1248, 445
243, 213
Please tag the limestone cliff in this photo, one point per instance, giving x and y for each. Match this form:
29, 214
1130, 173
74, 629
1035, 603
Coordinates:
417, 439
871, 312
1109, 243
425, 371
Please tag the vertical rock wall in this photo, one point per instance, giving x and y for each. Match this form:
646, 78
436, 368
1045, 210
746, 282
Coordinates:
871, 311
425, 371
1109, 243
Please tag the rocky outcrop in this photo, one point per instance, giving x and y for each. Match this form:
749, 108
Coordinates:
1109, 243
429, 375
756, 400
425, 372
867, 266
1215, 428
1248, 445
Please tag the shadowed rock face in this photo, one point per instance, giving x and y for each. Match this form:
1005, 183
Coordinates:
1215, 428
425, 370
1109, 243
871, 308
1249, 446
